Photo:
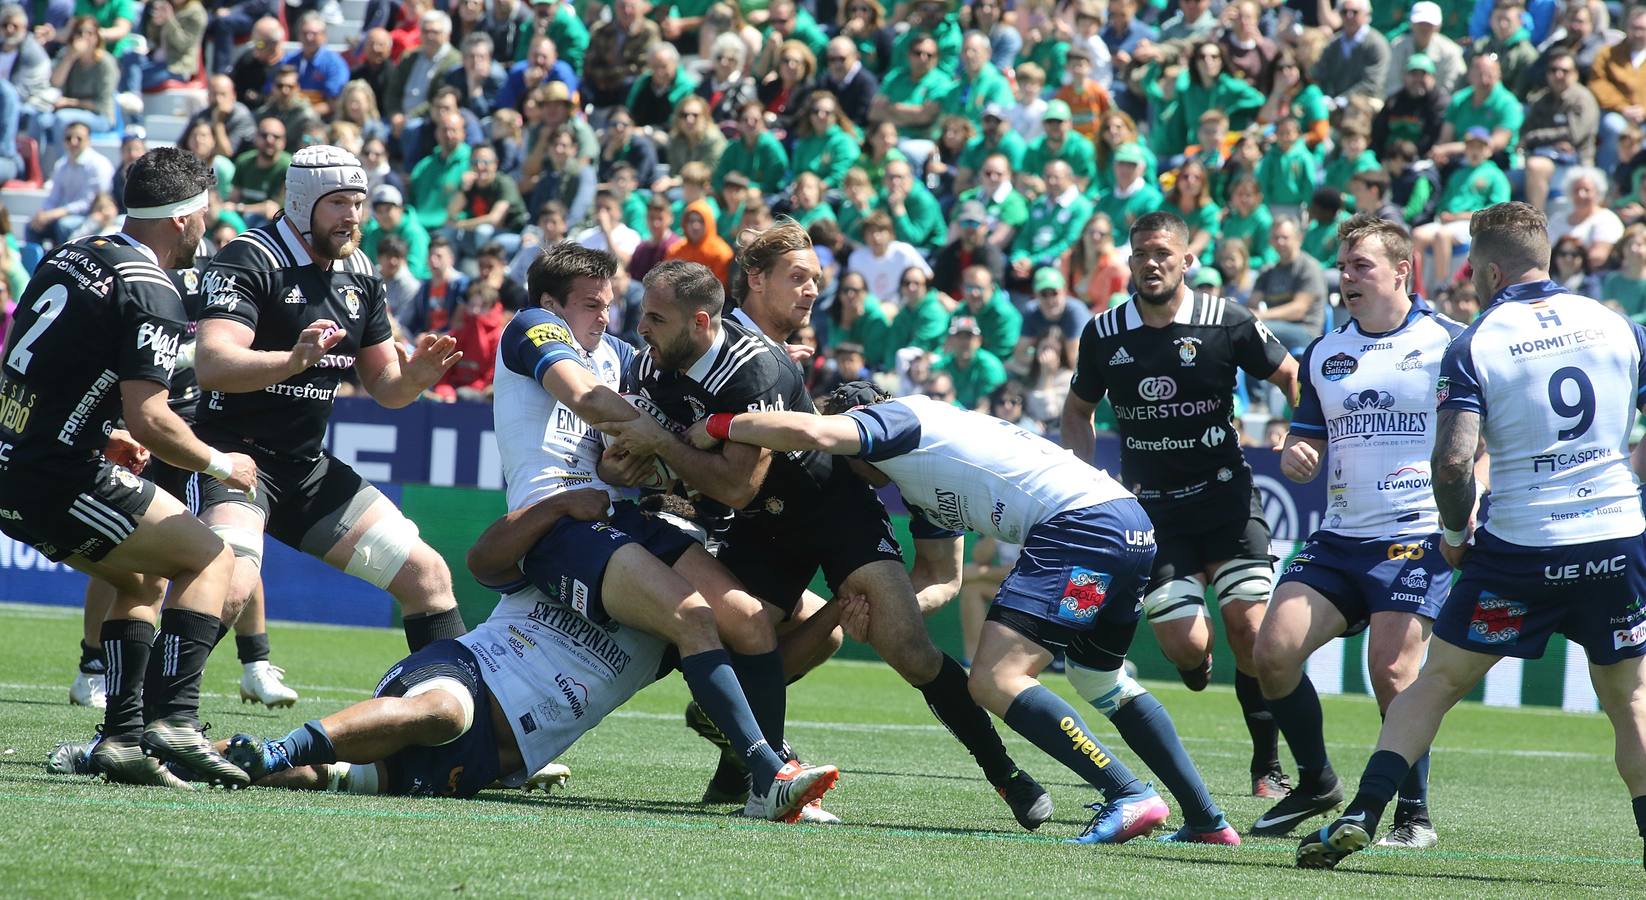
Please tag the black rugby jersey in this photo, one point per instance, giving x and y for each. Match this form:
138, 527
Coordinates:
265, 279
185, 388
1172, 390
97, 311
743, 371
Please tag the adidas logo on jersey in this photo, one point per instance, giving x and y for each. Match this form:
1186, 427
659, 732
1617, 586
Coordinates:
886, 546
295, 295
1120, 357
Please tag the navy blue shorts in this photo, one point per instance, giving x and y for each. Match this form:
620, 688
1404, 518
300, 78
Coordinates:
1361, 576
570, 561
462, 768
1079, 570
1510, 599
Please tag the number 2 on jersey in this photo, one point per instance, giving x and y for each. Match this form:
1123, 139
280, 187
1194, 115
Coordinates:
48, 305
1583, 410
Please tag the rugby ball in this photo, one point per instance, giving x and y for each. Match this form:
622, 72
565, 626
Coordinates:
662, 477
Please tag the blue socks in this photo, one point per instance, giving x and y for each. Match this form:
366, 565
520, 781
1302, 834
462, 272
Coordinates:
1414, 793
1147, 728
715, 688
1046, 721
1384, 773
761, 677
1299, 717
308, 745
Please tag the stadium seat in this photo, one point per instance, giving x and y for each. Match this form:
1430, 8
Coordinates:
33, 177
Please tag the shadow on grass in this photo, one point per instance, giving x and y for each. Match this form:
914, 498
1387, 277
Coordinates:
1248, 861
32, 702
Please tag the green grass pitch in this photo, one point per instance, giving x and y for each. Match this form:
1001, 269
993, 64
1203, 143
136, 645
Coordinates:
1527, 803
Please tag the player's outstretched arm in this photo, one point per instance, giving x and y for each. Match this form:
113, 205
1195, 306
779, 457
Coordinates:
395, 379
571, 383
153, 424
495, 557
224, 360
781, 431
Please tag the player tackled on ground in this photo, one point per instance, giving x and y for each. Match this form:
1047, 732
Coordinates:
1087, 551
1367, 417
557, 375
289, 307
497, 705
1552, 381
794, 512
1167, 361
96, 337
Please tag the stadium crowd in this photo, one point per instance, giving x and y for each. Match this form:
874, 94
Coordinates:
965, 170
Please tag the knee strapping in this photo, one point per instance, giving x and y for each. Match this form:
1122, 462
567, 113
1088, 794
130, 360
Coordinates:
453, 687
383, 550
1108, 691
1180, 598
346, 778
247, 543
1248, 580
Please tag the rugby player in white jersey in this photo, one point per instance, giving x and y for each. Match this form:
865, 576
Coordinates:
1366, 417
496, 706
1087, 552
1552, 381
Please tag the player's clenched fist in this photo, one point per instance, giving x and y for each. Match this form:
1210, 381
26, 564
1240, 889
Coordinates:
698, 436
313, 342
1300, 462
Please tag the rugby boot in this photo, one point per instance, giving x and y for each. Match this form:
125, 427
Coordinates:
1298, 807
257, 757
181, 741
1325, 848
551, 776
1124, 819
89, 689
1272, 784
121, 759
73, 757
795, 786
1030, 803
1222, 834
264, 683
1411, 834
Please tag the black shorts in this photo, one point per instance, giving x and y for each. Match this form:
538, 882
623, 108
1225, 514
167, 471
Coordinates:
86, 512
849, 530
180, 483
462, 768
307, 504
1230, 532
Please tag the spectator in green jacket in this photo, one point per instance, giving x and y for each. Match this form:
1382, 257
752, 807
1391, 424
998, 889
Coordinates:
911, 96
923, 321
917, 218
1006, 207
1248, 220
1133, 196
1062, 142
1054, 224
440, 174
1475, 184
756, 153
976, 372
389, 218
986, 304
996, 136
1287, 173
860, 319
826, 140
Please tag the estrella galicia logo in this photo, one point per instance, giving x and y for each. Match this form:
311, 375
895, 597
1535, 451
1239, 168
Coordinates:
1369, 399
1157, 388
1339, 367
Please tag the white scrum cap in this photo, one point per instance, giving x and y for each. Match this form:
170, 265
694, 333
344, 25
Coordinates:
315, 172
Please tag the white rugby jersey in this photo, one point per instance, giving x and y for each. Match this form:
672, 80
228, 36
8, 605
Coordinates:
555, 674
1370, 398
543, 446
1556, 378
964, 471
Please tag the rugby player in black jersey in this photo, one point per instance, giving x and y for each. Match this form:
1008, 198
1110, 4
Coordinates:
796, 513
1167, 360
289, 307
96, 337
